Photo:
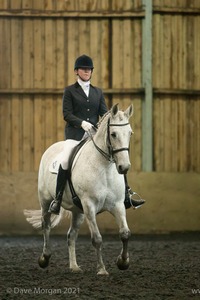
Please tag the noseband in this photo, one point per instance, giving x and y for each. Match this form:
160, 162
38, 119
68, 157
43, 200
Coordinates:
110, 148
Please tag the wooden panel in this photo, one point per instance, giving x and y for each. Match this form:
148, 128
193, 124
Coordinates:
38, 4
5, 133
5, 53
176, 54
176, 137
16, 132
125, 5
173, 120
60, 54
83, 37
27, 134
26, 4
39, 129
60, 122
71, 49
27, 64
38, 53
104, 54
176, 65
50, 121
136, 145
15, 4
117, 54
196, 52
126, 55
4, 4
16, 53
49, 63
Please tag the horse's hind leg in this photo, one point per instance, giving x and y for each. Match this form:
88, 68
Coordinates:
43, 260
76, 221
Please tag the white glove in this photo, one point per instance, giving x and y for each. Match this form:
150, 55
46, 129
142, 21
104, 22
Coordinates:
86, 126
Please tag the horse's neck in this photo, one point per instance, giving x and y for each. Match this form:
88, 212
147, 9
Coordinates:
101, 135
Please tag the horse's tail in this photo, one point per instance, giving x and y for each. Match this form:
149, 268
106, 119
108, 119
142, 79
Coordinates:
34, 217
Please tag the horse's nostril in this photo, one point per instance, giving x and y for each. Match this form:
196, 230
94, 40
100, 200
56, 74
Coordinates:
120, 168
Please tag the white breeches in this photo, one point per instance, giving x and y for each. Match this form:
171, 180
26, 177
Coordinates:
68, 147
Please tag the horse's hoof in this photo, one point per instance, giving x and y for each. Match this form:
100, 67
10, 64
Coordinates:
123, 264
102, 272
76, 270
43, 261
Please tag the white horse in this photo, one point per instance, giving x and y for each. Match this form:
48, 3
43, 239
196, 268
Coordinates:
98, 180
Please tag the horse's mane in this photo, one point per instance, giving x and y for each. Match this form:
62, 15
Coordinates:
102, 119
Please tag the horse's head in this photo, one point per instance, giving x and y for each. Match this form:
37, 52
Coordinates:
118, 137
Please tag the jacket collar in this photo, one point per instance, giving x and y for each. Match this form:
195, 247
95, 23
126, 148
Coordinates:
80, 90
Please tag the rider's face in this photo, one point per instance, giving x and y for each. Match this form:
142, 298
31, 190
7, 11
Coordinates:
84, 73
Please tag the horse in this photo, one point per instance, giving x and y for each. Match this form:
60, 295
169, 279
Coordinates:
98, 180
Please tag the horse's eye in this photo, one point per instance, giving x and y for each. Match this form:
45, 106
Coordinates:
114, 135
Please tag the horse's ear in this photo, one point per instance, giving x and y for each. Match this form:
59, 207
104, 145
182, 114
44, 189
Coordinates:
114, 109
129, 111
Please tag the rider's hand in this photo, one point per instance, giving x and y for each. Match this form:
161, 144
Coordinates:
86, 126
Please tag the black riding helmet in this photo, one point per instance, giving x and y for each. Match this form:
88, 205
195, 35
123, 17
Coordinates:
83, 61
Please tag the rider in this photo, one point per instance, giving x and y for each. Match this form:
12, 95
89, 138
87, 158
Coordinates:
83, 104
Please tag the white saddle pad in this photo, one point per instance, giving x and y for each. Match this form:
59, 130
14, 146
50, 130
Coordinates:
54, 165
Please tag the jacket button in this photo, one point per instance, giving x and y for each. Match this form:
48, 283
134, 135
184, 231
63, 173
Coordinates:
88, 119
88, 109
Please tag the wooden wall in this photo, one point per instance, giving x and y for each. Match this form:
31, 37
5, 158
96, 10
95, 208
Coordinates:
39, 41
176, 82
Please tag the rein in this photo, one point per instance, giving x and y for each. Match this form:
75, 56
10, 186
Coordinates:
112, 151
106, 155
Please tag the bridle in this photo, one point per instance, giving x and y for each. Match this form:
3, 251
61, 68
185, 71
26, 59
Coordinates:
109, 156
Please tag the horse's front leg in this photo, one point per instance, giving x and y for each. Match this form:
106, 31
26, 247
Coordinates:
96, 239
124, 233
76, 221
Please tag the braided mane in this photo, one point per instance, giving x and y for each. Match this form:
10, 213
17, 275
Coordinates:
102, 119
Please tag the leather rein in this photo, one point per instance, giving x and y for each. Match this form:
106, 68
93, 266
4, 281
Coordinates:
109, 156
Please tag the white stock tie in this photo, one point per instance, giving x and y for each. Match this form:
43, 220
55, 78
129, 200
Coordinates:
86, 88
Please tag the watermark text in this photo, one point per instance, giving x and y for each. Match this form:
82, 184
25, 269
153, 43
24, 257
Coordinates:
43, 291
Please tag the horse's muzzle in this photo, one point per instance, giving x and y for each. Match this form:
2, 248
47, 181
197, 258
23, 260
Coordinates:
123, 169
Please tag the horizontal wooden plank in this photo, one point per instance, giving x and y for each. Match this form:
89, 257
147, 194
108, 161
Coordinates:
60, 91
139, 13
21, 13
139, 91
191, 92
176, 10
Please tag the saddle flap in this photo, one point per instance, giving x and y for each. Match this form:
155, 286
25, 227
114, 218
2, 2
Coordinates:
54, 165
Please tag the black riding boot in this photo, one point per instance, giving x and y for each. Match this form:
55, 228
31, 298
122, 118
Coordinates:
128, 202
60, 186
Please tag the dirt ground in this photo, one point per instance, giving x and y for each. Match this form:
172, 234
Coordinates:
162, 267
